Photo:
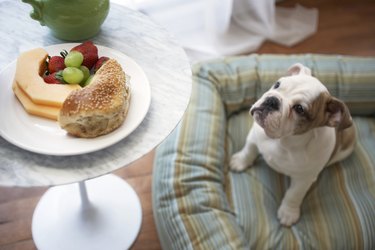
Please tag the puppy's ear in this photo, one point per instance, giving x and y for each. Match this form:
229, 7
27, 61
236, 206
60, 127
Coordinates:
297, 69
338, 114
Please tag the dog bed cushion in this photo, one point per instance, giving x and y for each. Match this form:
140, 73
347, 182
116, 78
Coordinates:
199, 203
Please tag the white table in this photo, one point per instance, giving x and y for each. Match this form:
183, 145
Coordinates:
102, 211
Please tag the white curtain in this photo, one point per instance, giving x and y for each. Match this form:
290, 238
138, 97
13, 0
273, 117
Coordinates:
214, 28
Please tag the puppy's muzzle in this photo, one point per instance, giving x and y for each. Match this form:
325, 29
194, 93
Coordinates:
271, 103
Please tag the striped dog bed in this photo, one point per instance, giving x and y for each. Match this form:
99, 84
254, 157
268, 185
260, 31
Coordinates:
199, 203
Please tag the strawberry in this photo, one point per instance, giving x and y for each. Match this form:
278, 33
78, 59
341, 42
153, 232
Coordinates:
54, 78
87, 46
55, 63
89, 59
100, 62
89, 52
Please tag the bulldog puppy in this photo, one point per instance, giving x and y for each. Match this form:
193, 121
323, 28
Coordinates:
299, 129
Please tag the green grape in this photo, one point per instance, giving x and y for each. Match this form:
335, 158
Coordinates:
73, 59
72, 75
86, 72
88, 81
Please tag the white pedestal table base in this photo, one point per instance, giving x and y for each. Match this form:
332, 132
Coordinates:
106, 215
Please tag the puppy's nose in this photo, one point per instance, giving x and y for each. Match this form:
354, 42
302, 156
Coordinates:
272, 103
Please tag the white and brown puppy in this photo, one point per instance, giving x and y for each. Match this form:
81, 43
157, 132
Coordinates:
300, 128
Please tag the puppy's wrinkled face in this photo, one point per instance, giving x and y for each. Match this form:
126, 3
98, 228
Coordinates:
297, 103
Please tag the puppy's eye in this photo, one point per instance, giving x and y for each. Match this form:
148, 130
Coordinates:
276, 85
299, 109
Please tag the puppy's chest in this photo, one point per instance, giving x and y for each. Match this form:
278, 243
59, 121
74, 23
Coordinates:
288, 161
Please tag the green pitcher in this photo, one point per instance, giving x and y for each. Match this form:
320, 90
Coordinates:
71, 20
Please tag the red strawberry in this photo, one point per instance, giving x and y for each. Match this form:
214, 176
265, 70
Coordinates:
100, 62
89, 59
87, 46
89, 52
55, 63
54, 78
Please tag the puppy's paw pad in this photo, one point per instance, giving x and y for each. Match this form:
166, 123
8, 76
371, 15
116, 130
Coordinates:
287, 215
238, 162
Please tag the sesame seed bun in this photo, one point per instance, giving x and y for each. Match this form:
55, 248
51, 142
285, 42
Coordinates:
100, 107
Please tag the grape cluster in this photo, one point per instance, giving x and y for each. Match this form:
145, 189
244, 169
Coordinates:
75, 72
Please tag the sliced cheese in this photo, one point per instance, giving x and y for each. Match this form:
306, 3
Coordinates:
30, 65
49, 112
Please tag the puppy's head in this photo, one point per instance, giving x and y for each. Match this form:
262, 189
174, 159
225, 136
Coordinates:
297, 103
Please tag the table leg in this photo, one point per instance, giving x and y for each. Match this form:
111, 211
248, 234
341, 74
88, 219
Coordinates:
105, 214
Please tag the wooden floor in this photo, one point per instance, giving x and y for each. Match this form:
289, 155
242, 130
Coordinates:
345, 27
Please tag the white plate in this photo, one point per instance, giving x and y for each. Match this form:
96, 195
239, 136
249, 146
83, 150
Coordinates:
45, 136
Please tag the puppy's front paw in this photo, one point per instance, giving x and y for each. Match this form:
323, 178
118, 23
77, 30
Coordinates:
238, 162
288, 215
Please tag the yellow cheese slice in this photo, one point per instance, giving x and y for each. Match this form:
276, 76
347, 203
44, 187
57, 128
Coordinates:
30, 67
49, 112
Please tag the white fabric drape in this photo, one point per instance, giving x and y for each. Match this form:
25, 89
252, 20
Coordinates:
214, 28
